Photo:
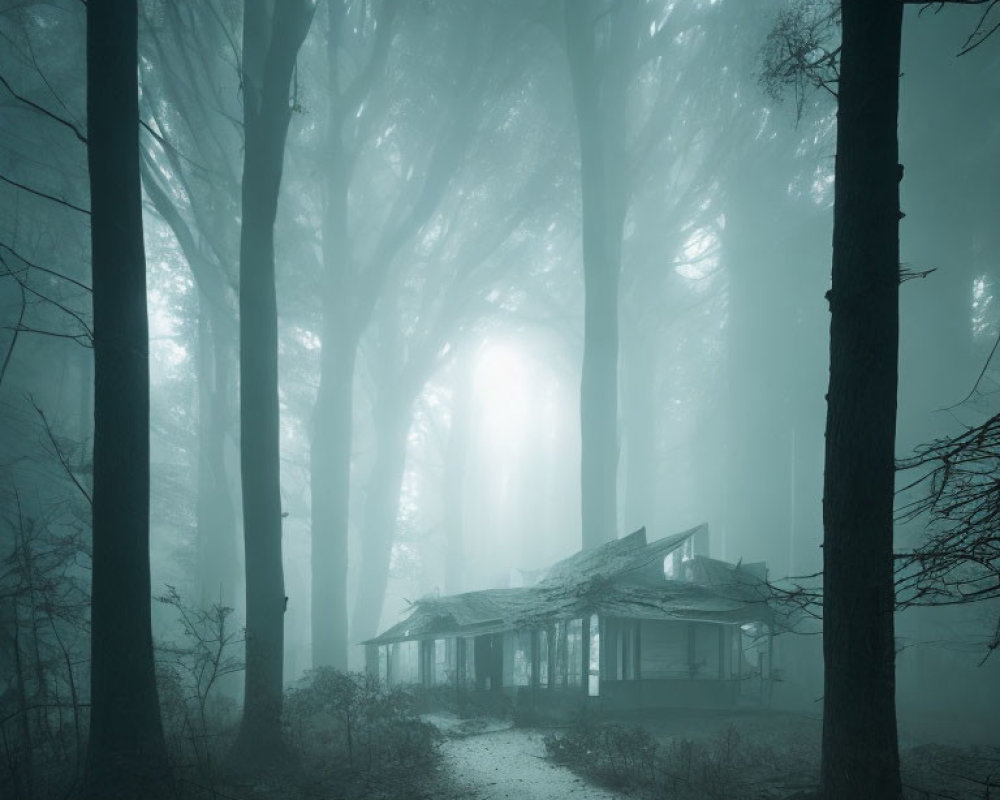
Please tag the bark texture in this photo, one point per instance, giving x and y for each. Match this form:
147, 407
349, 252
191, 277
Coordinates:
860, 749
126, 754
270, 46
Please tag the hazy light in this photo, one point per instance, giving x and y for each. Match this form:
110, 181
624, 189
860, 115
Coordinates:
501, 388
699, 254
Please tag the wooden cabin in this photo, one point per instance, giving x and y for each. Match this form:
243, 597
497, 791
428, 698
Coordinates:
628, 625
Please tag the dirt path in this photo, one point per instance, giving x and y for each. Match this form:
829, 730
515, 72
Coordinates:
506, 763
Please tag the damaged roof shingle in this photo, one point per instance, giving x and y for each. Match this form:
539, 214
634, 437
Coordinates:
623, 578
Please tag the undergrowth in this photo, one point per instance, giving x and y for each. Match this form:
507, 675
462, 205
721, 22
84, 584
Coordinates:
357, 736
631, 758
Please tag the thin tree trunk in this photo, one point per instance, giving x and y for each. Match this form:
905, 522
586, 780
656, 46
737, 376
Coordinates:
126, 754
269, 54
860, 749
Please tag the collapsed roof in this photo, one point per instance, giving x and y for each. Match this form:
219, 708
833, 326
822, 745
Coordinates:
623, 578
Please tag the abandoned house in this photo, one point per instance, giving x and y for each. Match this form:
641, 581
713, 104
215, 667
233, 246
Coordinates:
631, 624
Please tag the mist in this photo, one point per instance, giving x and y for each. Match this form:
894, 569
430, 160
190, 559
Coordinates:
519, 281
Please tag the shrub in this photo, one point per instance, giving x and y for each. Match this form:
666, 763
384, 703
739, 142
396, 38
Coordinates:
196, 717
721, 768
349, 723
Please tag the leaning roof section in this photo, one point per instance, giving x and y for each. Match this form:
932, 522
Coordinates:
621, 578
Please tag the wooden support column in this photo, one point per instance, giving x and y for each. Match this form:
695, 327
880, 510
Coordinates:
691, 632
585, 653
552, 655
425, 672
770, 662
722, 651
460, 663
536, 659
637, 651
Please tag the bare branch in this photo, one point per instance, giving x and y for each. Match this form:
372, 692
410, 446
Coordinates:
42, 110
58, 450
14, 335
46, 270
39, 193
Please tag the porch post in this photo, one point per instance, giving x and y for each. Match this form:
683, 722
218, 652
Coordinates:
534, 678
770, 662
637, 651
423, 676
585, 653
551, 652
459, 663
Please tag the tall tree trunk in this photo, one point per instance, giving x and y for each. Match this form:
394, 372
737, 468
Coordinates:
126, 754
639, 431
330, 482
599, 84
860, 749
393, 416
333, 418
215, 513
456, 462
270, 47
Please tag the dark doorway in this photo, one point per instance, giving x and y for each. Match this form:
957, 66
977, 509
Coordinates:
489, 662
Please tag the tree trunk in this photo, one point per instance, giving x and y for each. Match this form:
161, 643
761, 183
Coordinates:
639, 432
126, 754
392, 424
270, 47
215, 513
456, 462
333, 419
330, 482
860, 749
599, 87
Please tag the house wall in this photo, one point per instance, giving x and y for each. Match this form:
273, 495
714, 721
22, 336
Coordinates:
628, 664
650, 693
663, 663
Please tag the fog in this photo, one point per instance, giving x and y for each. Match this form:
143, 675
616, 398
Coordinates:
432, 251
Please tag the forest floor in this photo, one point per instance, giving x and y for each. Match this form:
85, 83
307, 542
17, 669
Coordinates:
493, 760
942, 755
